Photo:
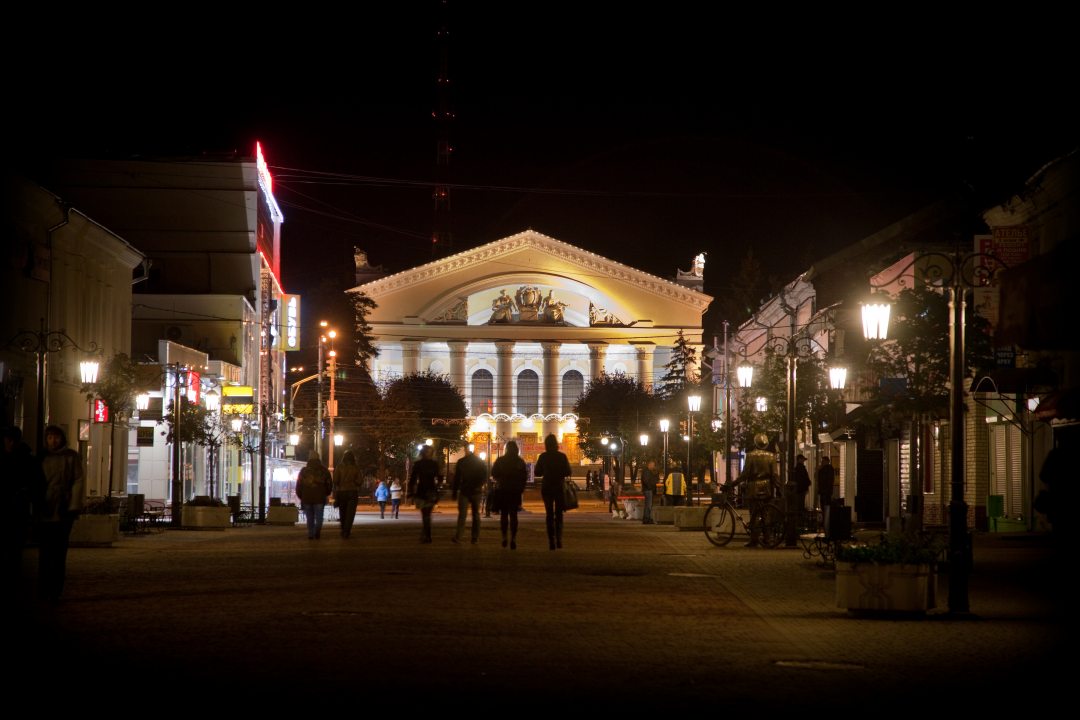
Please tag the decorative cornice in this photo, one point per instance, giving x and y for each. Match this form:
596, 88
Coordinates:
588, 261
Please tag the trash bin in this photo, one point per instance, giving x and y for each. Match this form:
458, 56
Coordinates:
234, 506
995, 510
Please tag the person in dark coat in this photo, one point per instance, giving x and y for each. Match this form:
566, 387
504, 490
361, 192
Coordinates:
796, 491
57, 506
313, 487
649, 479
826, 478
467, 488
22, 475
510, 474
347, 481
423, 488
554, 467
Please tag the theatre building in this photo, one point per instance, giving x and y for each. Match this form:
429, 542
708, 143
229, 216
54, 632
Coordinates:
521, 325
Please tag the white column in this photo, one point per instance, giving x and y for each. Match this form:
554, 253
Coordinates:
597, 352
410, 357
504, 393
645, 364
552, 386
457, 364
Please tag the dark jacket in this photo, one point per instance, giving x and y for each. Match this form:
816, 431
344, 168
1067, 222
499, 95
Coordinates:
314, 484
511, 473
553, 467
649, 478
801, 478
469, 476
347, 478
826, 477
424, 477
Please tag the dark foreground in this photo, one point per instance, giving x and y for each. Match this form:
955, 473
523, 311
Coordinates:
627, 618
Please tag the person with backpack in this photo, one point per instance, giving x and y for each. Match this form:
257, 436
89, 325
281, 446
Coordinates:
313, 486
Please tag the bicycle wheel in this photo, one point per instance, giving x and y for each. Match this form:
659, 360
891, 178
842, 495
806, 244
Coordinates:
719, 524
772, 526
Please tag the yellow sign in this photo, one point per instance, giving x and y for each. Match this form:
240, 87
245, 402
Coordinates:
237, 400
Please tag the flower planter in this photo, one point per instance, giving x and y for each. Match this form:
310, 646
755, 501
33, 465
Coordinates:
878, 588
95, 530
282, 515
205, 517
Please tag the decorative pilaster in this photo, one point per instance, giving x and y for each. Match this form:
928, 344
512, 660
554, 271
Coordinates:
457, 364
504, 383
552, 386
645, 364
597, 354
410, 357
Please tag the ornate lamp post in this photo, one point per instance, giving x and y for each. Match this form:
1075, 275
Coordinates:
42, 343
957, 272
693, 404
664, 425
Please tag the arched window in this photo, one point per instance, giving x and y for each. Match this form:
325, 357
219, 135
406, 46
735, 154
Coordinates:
573, 384
482, 398
528, 392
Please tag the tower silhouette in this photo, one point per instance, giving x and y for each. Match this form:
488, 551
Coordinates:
442, 239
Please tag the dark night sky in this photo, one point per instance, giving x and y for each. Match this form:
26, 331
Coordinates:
643, 137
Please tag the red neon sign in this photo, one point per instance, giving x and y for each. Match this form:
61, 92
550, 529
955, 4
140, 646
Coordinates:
101, 411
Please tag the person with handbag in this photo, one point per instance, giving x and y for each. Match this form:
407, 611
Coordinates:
510, 474
554, 467
424, 489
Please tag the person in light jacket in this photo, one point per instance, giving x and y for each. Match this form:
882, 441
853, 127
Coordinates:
57, 505
382, 494
395, 498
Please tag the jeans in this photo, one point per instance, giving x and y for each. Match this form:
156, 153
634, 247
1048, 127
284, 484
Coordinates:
53, 540
313, 514
395, 506
464, 503
346, 504
646, 513
553, 516
382, 509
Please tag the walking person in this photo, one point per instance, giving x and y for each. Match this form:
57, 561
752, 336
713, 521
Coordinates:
826, 477
424, 489
510, 474
347, 481
395, 498
795, 497
22, 476
382, 494
313, 487
649, 478
613, 496
467, 488
58, 504
554, 467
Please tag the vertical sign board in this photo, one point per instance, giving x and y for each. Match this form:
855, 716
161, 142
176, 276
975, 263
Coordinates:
288, 318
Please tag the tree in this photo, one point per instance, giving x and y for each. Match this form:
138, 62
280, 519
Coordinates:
918, 353
363, 340
681, 369
615, 405
410, 404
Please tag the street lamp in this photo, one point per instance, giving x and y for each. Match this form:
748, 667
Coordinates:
957, 272
42, 343
693, 404
664, 425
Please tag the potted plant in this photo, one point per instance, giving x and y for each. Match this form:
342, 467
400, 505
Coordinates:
203, 511
893, 574
98, 525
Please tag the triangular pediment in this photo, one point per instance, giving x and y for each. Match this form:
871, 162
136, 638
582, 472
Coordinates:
530, 258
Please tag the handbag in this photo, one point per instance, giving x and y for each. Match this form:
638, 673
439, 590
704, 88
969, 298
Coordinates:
494, 500
570, 501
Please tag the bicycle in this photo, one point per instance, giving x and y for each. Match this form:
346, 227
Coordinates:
722, 516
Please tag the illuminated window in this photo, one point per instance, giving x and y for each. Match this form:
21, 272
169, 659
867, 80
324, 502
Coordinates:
528, 392
482, 395
573, 385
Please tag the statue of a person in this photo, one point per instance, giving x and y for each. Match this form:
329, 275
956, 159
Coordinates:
759, 481
552, 308
502, 308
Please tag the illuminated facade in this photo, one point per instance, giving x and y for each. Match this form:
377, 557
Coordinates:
522, 325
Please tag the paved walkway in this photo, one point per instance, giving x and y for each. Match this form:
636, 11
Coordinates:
627, 617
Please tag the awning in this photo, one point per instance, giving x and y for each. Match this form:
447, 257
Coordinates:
1016, 381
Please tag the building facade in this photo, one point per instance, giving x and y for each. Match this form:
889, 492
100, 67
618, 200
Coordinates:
521, 325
